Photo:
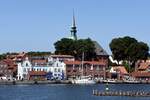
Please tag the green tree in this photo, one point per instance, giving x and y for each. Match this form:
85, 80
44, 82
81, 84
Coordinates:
87, 46
65, 46
129, 50
2, 56
76, 48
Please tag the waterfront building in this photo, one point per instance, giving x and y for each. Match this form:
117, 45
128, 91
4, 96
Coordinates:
95, 69
37, 75
142, 71
16, 57
8, 69
54, 69
118, 72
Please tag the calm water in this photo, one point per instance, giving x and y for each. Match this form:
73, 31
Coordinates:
65, 92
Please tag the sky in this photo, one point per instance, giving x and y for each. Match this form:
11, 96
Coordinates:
35, 25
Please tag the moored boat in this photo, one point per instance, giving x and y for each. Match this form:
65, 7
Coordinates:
84, 80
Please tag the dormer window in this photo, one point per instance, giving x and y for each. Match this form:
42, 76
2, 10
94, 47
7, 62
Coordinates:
27, 64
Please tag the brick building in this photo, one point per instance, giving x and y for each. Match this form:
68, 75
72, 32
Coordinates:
94, 69
8, 68
142, 71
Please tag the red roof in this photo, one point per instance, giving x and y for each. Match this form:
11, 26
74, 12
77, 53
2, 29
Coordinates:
39, 61
62, 56
10, 64
144, 65
94, 62
37, 73
73, 62
140, 74
85, 62
120, 69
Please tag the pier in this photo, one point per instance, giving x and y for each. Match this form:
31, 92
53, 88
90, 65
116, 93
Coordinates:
121, 93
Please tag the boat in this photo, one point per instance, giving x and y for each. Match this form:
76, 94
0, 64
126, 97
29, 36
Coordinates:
110, 81
130, 79
83, 79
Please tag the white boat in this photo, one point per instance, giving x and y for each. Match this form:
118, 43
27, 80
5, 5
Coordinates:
131, 81
109, 81
83, 79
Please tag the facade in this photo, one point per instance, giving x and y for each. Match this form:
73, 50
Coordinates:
142, 71
55, 68
23, 69
94, 69
3, 69
118, 72
17, 57
8, 68
37, 75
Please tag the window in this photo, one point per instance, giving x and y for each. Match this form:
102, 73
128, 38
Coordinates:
55, 70
58, 70
92, 67
69, 71
27, 64
74, 70
46, 70
97, 68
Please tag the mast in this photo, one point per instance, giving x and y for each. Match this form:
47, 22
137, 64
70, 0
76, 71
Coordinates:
82, 64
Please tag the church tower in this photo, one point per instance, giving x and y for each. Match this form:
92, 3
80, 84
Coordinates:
73, 29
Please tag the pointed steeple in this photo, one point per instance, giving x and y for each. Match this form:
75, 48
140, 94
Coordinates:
74, 22
73, 29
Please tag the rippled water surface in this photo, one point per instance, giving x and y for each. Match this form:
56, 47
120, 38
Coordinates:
67, 92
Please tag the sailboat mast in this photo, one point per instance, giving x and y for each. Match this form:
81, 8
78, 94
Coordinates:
82, 62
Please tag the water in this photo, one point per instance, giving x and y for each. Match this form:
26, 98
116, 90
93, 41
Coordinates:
66, 92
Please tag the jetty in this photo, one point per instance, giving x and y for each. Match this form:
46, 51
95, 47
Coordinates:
121, 93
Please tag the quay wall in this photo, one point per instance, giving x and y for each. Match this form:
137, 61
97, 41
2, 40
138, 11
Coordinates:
33, 82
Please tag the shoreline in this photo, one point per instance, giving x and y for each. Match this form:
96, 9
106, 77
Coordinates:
31, 82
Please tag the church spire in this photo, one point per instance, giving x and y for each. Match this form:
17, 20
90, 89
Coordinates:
74, 24
73, 29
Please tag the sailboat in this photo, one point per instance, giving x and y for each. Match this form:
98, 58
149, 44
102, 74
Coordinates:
83, 79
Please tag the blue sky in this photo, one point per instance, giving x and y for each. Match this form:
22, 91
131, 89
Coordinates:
34, 25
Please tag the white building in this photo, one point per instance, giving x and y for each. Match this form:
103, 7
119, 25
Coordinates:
56, 67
